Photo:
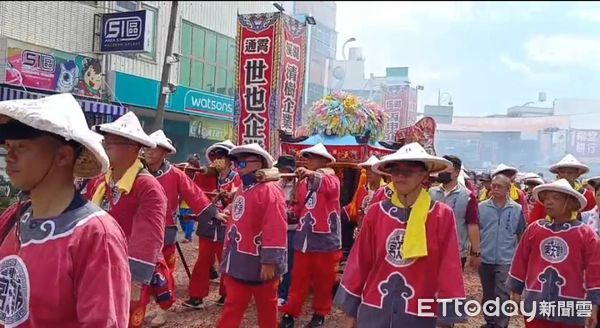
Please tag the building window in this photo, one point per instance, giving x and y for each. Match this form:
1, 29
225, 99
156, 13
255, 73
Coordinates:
126, 5
152, 23
89, 3
208, 59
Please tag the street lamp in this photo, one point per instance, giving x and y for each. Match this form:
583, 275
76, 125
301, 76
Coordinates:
344, 46
445, 94
309, 20
278, 6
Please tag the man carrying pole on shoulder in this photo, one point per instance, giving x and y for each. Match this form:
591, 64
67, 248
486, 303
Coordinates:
177, 187
211, 232
317, 241
255, 251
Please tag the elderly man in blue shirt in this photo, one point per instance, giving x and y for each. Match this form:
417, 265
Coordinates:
501, 223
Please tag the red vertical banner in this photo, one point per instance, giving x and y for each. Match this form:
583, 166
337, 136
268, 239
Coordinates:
293, 46
257, 63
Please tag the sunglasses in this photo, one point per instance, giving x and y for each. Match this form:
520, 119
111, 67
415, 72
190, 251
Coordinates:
242, 164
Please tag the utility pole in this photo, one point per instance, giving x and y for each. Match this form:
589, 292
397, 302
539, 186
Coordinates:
166, 71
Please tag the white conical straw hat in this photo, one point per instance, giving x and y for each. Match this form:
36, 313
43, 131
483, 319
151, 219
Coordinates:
561, 186
370, 162
255, 149
319, 150
413, 152
127, 126
572, 162
504, 167
226, 145
162, 141
61, 115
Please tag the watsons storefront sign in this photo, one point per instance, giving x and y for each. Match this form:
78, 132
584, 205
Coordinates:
208, 104
185, 100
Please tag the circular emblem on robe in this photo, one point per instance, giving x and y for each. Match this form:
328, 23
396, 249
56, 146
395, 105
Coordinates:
238, 207
393, 245
554, 249
312, 201
14, 291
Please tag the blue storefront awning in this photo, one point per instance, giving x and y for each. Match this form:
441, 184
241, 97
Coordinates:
88, 106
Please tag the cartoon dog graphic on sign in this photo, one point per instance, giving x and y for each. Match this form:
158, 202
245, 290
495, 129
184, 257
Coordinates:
67, 78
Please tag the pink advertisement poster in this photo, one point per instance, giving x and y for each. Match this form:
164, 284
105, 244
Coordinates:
40, 68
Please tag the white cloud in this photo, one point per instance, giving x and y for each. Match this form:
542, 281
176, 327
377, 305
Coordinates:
586, 11
515, 66
422, 74
398, 16
564, 51
590, 15
526, 70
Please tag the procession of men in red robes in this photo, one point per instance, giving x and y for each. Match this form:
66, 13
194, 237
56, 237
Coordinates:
97, 254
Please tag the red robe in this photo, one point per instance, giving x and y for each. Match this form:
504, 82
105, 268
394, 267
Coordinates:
557, 262
256, 233
319, 225
383, 193
539, 211
141, 214
380, 289
178, 187
358, 208
68, 271
214, 229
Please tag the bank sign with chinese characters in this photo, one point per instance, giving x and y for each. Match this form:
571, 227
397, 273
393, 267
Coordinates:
126, 32
184, 100
585, 145
271, 51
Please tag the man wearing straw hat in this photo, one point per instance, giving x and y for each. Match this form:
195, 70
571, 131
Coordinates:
531, 180
254, 257
486, 185
177, 187
138, 202
317, 242
570, 169
63, 259
211, 233
407, 252
558, 260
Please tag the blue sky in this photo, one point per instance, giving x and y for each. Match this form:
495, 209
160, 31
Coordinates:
488, 56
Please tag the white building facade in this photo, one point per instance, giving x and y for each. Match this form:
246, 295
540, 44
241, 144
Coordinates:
52, 46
